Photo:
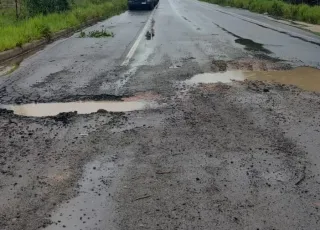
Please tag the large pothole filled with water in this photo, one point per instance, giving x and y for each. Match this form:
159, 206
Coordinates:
306, 78
81, 107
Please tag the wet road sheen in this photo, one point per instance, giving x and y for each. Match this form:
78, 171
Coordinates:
219, 153
184, 30
203, 30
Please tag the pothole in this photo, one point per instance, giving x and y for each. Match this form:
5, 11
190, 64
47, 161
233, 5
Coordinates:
252, 46
248, 64
304, 77
53, 109
223, 77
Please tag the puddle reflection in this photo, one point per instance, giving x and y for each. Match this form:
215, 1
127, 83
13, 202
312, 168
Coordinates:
52, 109
304, 77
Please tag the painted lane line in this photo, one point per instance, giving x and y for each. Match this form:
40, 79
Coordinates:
138, 40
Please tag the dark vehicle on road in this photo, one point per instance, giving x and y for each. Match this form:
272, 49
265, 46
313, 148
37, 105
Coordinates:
135, 4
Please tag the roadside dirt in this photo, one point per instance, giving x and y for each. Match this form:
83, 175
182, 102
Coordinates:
303, 25
225, 155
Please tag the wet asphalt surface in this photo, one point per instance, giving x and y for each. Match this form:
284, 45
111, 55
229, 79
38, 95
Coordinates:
240, 155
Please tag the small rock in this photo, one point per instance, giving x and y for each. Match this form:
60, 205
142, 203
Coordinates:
102, 111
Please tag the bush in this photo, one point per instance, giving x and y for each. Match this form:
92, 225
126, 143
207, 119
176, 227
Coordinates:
277, 8
45, 31
309, 14
35, 7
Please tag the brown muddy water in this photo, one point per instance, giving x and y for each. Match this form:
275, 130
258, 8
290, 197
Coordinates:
306, 78
52, 109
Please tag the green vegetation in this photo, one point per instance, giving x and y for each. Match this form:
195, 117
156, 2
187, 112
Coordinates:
16, 32
301, 12
35, 7
96, 34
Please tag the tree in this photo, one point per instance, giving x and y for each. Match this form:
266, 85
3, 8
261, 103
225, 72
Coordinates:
35, 7
17, 13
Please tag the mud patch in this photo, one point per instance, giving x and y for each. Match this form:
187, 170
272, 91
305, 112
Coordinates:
248, 64
53, 109
99, 97
208, 88
92, 200
69, 98
144, 96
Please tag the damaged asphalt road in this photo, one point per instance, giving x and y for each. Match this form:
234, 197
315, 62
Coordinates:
173, 129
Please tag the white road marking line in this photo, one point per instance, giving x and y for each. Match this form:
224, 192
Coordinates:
137, 42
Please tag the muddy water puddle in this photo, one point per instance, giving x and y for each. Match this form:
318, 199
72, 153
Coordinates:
304, 77
52, 109
223, 77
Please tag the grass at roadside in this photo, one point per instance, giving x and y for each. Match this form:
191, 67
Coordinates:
15, 33
301, 12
